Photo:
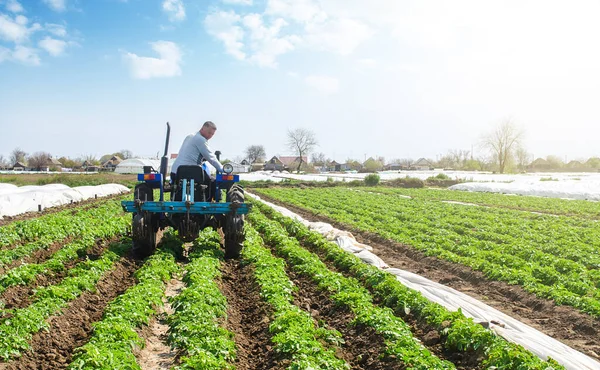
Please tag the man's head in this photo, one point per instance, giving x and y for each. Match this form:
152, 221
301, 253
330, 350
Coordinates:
208, 130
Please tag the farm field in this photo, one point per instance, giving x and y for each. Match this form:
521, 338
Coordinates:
73, 296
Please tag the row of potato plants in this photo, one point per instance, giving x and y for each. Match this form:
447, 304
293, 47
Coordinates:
566, 207
457, 332
108, 225
347, 292
97, 222
115, 337
297, 337
18, 325
543, 254
194, 327
56, 226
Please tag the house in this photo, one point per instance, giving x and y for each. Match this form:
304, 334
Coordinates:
422, 164
539, 164
392, 167
19, 166
274, 164
292, 162
112, 163
333, 166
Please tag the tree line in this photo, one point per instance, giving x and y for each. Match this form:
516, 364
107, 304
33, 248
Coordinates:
42, 159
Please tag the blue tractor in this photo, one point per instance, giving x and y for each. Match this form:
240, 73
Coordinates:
195, 203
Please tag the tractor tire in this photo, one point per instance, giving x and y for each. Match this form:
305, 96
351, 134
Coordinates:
234, 225
144, 227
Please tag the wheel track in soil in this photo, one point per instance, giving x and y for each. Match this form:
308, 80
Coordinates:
564, 323
53, 349
157, 354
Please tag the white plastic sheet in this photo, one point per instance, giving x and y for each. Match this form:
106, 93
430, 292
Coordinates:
17, 200
502, 324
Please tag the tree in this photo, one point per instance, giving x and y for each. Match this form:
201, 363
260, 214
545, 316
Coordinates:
372, 165
255, 152
524, 158
3, 162
17, 155
124, 154
301, 141
68, 162
39, 159
319, 159
91, 159
502, 143
555, 162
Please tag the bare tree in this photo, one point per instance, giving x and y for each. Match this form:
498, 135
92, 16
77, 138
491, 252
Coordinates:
39, 159
17, 155
524, 158
3, 162
125, 154
91, 158
301, 141
503, 142
255, 152
319, 159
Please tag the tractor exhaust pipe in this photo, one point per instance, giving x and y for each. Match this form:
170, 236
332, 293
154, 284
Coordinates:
164, 161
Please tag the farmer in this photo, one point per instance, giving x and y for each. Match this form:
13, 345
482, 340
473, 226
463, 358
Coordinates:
195, 149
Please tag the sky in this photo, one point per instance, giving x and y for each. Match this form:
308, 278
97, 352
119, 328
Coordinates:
398, 79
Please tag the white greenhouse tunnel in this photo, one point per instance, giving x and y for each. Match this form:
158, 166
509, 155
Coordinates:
512, 330
16, 200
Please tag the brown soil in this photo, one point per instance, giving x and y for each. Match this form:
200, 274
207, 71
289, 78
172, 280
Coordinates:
157, 354
37, 256
84, 204
363, 347
248, 317
564, 323
53, 349
20, 296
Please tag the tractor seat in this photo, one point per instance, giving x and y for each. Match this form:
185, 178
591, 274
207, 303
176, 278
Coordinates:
190, 172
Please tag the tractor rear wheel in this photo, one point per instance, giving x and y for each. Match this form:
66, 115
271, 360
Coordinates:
144, 227
234, 225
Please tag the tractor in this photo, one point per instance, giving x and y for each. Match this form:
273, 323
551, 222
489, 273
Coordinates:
195, 203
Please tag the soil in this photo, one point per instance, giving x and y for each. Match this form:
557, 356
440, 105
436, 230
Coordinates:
53, 349
248, 317
363, 347
20, 296
157, 354
564, 323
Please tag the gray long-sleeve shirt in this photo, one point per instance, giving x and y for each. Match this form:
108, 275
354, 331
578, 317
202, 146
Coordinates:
194, 148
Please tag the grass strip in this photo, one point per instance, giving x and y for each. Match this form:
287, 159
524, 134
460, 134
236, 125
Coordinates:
194, 326
18, 325
348, 292
296, 335
458, 332
114, 338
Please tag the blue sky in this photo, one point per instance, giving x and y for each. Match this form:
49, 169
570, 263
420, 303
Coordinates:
379, 78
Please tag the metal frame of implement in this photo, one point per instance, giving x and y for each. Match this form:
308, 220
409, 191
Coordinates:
188, 205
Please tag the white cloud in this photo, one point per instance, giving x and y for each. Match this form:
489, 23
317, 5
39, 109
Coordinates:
223, 26
26, 55
341, 36
168, 65
238, 2
175, 10
54, 47
14, 6
16, 30
325, 84
304, 11
265, 41
367, 62
56, 29
4, 53
57, 5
